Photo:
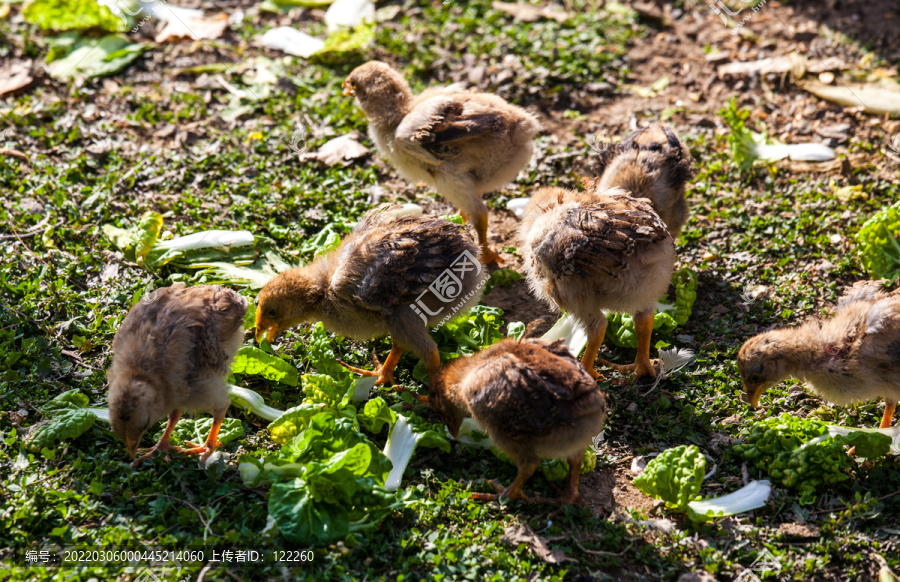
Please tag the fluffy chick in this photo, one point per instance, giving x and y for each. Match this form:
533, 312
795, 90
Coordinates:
390, 275
851, 357
172, 354
586, 252
532, 398
650, 163
461, 144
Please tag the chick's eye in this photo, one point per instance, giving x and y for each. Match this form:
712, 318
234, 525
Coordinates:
271, 313
755, 378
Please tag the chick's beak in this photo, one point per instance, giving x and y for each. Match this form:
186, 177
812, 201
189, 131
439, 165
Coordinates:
348, 88
752, 394
268, 332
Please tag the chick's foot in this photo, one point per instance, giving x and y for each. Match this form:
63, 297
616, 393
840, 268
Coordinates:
384, 372
509, 492
160, 447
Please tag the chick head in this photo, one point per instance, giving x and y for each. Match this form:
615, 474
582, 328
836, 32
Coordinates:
762, 363
375, 83
285, 301
134, 406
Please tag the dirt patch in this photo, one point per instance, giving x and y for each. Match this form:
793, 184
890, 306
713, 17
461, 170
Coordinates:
610, 488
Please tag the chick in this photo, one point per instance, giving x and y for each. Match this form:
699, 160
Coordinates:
532, 398
650, 163
390, 275
462, 144
852, 357
172, 354
585, 252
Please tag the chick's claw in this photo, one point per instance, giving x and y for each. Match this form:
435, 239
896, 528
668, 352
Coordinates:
158, 448
502, 491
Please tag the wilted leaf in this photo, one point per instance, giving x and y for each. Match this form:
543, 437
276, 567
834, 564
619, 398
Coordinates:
878, 99
197, 28
291, 41
14, 76
522, 534
342, 150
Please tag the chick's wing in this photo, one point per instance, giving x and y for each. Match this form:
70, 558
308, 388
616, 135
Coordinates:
397, 259
179, 331
599, 237
436, 128
531, 394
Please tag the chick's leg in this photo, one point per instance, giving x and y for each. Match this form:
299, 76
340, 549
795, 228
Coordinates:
514, 491
480, 220
570, 497
211, 443
643, 325
384, 372
595, 340
888, 418
163, 446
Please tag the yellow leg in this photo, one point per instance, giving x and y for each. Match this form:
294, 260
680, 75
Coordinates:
163, 446
514, 491
590, 351
570, 497
207, 448
887, 419
488, 256
385, 372
643, 325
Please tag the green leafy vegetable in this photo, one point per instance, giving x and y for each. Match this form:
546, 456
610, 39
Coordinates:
197, 430
515, 329
69, 418
326, 240
620, 328
502, 278
136, 241
799, 454
64, 15
293, 421
879, 244
742, 141
465, 335
251, 360
685, 281
66, 424
345, 44
91, 57
554, 469
675, 476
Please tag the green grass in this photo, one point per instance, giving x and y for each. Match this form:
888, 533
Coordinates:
58, 318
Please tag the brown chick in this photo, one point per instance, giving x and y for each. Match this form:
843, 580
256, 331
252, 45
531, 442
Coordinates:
586, 252
171, 354
852, 357
650, 163
532, 398
461, 144
392, 275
